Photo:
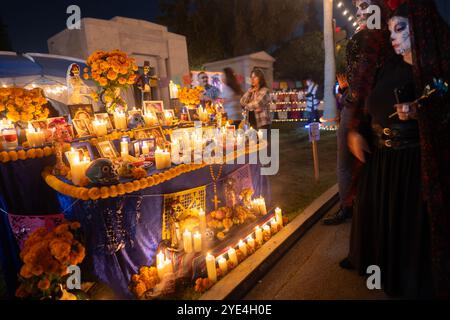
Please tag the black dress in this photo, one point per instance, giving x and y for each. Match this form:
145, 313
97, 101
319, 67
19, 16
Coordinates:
390, 224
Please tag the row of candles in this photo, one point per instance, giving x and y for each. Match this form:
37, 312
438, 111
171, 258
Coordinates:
268, 228
150, 118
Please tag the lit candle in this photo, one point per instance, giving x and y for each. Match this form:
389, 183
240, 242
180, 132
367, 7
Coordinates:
124, 148
260, 135
266, 229
211, 267
120, 120
35, 138
78, 170
273, 226
10, 140
243, 247
197, 242
160, 257
279, 216
251, 241
223, 264
168, 266
150, 119
145, 148
100, 127
258, 235
175, 151
168, 118
232, 256
72, 154
255, 206
202, 218
262, 206
187, 241
161, 269
162, 159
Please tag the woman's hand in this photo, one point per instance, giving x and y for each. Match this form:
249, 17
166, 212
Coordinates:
357, 145
406, 111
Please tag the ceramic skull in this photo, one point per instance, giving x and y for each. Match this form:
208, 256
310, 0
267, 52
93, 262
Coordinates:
102, 172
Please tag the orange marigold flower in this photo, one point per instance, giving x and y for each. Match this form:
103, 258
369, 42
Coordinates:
44, 284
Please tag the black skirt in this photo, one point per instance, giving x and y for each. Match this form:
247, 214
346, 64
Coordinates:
390, 227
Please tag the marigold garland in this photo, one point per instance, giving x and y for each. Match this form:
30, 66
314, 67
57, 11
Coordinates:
190, 97
120, 189
20, 104
7, 156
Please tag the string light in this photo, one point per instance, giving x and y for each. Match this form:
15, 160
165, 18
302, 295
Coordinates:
340, 4
346, 12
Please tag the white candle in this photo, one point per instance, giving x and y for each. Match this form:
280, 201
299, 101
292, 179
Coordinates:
72, 154
120, 120
232, 256
78, 170
202, 218
260, 135
160, 257
162, 159
279, 216
223, 264
100, 127
168, 266
258, 235
187, 241
251, 241
145, 148
175, 151
273, 226
197, 242
168, 118
150, 119
161, 269
262, 204
124, 148
243, 247
35, 138
266, 229
211, 267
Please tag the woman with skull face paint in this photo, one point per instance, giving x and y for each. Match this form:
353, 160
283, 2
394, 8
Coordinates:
390, 189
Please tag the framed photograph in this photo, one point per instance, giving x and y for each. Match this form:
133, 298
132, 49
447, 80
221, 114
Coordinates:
39, 124
161, 118
82, 127
153, 132
137, 149
193, 115
151, 143
106, 149
84, 149
104, 117
153, 106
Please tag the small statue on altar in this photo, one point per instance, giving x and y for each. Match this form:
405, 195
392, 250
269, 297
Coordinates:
246, 197
145, 82
77, 90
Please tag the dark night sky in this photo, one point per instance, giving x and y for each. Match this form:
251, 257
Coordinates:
31, 23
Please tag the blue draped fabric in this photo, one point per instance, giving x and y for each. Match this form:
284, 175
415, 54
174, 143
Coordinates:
23, 192
123, 233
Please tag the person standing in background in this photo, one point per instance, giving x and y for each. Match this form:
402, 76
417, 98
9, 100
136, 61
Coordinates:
232, 93
256, 101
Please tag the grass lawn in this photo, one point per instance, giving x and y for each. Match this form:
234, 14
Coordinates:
294, 187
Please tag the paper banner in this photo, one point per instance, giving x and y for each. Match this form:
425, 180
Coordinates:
284, 85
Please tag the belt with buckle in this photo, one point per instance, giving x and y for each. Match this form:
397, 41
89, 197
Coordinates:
397, 136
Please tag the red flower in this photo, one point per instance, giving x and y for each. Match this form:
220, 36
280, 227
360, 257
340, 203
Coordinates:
394, 4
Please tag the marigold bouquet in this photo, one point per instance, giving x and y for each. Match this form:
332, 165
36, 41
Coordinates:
46, 256
112, 71
190, 97
145, 280
19, 104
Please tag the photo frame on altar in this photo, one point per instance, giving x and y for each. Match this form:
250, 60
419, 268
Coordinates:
161, 118
134, 112
193, 115
106, 149
152, 132
39, 124
151, 142
153, 106
53, 122
104, 117
82, 127
81, 111
84, 149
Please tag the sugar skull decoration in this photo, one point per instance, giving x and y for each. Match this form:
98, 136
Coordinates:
136, 120
363, 11
102, 172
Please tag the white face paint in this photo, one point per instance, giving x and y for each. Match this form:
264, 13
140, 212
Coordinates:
400, 36
362, 11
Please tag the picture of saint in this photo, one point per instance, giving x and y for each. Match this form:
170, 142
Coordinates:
153, 106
